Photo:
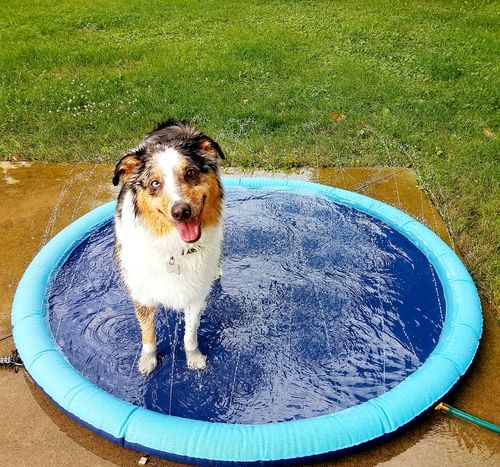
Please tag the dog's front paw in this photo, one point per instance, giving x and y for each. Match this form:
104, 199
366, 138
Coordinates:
147, 363
196, 360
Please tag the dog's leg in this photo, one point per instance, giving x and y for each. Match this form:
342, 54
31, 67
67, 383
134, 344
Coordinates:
146, 318
195, 359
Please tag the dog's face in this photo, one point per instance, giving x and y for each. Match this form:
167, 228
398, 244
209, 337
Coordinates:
174, 180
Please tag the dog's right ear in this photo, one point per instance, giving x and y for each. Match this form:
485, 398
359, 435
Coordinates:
128, 165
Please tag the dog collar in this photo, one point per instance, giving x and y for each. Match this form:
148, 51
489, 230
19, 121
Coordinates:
175, 268
190, 251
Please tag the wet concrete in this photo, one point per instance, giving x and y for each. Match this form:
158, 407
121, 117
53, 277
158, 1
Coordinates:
38, 200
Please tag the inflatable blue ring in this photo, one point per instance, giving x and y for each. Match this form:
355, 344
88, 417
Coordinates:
279, 443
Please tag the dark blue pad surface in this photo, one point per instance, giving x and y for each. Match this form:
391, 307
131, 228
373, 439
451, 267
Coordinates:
321, 307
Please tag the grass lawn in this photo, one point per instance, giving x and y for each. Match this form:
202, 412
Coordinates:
280, 84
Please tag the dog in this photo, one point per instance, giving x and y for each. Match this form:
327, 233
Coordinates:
168, 230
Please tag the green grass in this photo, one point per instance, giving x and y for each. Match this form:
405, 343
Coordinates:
417, 81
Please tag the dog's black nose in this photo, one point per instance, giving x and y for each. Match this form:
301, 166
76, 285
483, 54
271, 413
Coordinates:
181, 211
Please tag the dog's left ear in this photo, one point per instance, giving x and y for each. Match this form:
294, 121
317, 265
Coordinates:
128, 165
208, 147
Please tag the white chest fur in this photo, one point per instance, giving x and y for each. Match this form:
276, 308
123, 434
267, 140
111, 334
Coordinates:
165, 270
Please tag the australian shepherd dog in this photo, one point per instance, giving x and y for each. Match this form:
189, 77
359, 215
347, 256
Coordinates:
168, 231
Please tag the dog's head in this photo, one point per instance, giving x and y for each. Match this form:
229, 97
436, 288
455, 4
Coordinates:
173, 176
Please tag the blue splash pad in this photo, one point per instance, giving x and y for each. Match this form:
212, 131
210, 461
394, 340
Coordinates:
321, 307
364, 301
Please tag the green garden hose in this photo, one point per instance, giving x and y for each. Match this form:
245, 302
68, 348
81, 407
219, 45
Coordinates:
468, 417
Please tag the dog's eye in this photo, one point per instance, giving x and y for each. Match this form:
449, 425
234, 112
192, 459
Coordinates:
155, 183
190, 173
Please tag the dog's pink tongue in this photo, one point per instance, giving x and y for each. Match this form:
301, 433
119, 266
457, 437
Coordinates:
189, 230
